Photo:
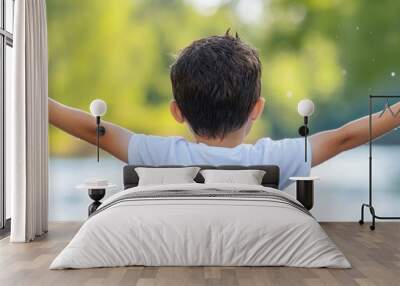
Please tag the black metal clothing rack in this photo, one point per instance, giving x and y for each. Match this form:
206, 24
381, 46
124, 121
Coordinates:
370, 203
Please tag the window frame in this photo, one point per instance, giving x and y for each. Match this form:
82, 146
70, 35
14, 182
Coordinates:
6, 39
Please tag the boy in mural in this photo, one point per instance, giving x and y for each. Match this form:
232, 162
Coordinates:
216, 84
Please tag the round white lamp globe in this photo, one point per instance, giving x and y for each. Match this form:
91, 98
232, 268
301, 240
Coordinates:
98, 107
305, 107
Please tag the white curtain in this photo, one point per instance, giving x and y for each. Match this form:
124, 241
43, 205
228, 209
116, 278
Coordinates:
27, 124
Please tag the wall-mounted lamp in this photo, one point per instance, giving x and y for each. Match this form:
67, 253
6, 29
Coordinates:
305, 108
98, 108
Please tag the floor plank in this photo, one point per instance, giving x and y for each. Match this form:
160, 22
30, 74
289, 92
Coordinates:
375, 257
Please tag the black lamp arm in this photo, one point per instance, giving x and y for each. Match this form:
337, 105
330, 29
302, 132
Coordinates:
304, 131
100, 131
305, 138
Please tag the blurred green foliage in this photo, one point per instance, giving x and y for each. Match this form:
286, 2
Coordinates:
334, 52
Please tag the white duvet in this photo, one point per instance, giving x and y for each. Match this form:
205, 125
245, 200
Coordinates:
200, 231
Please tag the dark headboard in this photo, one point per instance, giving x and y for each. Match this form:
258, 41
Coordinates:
270, 179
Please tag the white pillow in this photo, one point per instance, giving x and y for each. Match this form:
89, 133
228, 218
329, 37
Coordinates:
166, 176
248, 177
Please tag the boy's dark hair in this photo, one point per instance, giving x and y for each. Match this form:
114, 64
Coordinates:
216, 82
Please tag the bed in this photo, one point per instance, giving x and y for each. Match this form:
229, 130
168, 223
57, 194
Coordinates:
198, 224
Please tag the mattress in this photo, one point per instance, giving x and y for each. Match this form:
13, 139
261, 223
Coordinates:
201, 225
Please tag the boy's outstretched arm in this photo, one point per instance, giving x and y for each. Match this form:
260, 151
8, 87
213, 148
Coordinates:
83, 125
329, 143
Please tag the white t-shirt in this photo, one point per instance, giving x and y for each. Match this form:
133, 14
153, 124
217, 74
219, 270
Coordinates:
288, 154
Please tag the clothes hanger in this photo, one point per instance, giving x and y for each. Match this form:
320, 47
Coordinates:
387, 107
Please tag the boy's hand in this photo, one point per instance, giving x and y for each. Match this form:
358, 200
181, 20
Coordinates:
83, 125
327, 144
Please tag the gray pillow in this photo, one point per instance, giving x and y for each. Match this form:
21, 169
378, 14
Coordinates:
248, 177
166, 176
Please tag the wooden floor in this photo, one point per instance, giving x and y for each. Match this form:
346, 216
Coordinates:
375, 257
